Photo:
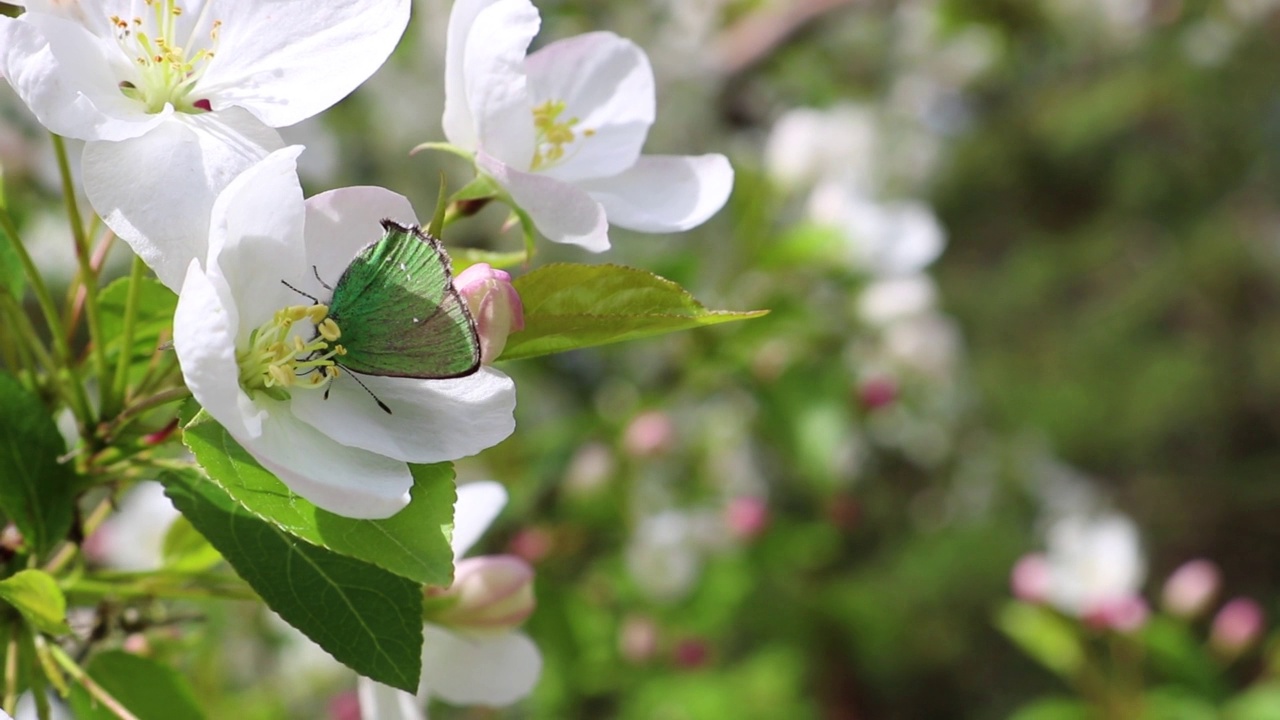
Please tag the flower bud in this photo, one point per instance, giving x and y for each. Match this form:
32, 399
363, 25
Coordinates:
1122, 614
494, 304
638, 639
1031, 578
1236, 627
650, 434
1190, 589
746, 516
489, 592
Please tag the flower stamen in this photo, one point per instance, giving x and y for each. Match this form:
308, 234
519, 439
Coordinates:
278, 360
166, 71
553, 134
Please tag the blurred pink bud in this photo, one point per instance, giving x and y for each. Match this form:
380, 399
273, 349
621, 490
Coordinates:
590, 469
877, 392
494, 304
692, 653
638, 638
1237, 626
1124, 614
533, 544
650, 433
747, 516
345, 706
1031, 578
492, 592
1190, 589
136, 644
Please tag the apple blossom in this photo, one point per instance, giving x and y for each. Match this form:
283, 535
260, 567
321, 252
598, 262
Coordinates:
1095, 570
241, 336
471, 663
884, 239
561, 129
177, 98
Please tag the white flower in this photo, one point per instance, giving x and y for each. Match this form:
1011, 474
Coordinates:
464, 666
561, 130
324, 437
177, 98
1095, 567
133, 538
841, 143
884, 238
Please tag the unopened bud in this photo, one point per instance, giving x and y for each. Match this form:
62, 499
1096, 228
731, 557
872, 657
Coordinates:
1031, 578
1237, 626
494, 304
747, 516
1123, 614
649, 434
1190, 589
489, 592
638, 639
877, 392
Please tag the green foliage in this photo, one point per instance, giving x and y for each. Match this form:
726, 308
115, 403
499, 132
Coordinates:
186, 550
413, 543
568, 306
366, 617
1044, 635
35, 483
150, 690
36, 595
152, 321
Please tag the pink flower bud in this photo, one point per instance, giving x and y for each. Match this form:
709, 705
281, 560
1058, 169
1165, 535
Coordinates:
491, 592
692, 653
1190, 589
533, 544
344, 706
1123, 614
638, 639
877, 392
746, 516
494, 304
651, 433
1031, 578
1236, 627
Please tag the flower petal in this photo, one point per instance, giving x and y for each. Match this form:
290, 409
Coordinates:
430, 420
459, 125
493, 670
496, 86
606, 83
562, 212
341, 222
156, 191
665, 193
383, 702
287, 60
478, 504
63, 74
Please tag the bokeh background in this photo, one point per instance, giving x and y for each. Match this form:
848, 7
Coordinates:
1022, 261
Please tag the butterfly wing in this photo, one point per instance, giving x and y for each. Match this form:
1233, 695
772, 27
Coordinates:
399, 313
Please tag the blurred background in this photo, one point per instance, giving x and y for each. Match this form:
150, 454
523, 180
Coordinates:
1022, 262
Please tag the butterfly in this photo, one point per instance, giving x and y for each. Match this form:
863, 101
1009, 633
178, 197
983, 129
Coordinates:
399, 313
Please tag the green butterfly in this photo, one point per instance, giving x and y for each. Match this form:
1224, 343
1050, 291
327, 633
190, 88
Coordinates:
399, 313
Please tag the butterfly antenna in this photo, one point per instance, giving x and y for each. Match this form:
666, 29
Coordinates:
316, 271
352, 375
306, 295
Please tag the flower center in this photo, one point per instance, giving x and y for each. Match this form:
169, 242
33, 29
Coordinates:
277, 360
553, 134
167, 70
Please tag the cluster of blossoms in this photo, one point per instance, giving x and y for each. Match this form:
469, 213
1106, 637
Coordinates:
179, 103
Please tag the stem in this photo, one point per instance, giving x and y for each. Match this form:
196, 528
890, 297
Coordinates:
88, 684
79, 401
130, 323
11, 669
88, 277
76, 292
130, 413
86, 589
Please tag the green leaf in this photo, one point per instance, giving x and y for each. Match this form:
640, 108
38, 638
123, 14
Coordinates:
569, 306
1054, 709
413, 543
36, 595
1174, 703
367, 618
148, 689
35, 489
1261, 702
186, 550
1044, 635
1180, 656
154, 318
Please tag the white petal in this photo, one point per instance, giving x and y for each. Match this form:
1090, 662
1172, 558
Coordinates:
561, 212
287, 60
478, 504
606, 83
383, 702
430, 420
665, 193
60, 71
496, 87
341, 222
156, 191
459, 125
494, 670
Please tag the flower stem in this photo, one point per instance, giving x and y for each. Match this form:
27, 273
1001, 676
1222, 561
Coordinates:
130, 323
88, 684
10, 703
130, 413
88, 277
72, 386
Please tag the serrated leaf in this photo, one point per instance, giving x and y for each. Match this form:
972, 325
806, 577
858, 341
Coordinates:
569, 306
367, 618
1044, 635
186, 550
156, 304
36, 595
413, 543
146, 688
35, 489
